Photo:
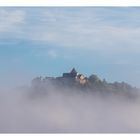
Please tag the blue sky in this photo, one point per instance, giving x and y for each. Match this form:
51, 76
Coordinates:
49, 41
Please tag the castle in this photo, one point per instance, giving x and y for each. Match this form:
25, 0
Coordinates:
74, 80
72, 74
70, 78
80, 78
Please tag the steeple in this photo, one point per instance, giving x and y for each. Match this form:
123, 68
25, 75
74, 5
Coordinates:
73, 71
72, 74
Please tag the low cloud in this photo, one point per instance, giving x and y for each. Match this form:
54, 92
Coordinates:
67, 112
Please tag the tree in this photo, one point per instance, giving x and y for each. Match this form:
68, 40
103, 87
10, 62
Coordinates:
94, 79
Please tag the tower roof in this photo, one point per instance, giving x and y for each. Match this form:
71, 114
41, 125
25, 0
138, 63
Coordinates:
73, 71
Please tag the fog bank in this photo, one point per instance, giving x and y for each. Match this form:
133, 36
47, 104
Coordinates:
63, 112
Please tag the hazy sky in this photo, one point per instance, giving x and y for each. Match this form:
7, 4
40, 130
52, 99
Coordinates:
49, 41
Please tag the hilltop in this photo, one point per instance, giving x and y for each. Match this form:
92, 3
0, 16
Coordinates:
75, 81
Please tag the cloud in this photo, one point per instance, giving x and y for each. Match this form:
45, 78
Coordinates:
52, 54
11, 20
88, 28
67, 112
84, 33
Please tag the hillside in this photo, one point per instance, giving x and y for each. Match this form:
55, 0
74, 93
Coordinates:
74, 81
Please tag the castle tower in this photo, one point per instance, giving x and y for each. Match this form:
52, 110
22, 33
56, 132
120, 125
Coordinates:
73, 72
